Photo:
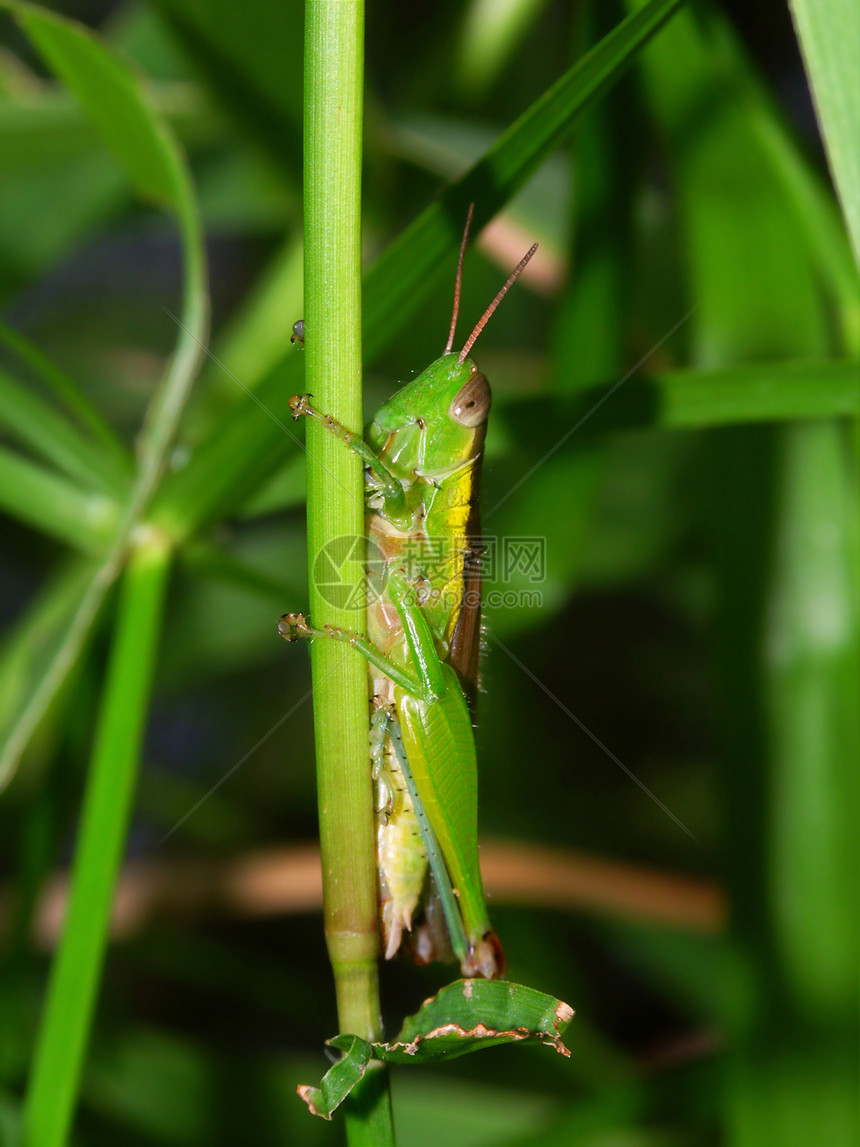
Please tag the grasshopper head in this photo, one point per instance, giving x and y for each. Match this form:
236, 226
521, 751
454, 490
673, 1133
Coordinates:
440, 418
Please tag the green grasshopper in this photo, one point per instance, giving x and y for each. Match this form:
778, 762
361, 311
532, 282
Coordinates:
422, 456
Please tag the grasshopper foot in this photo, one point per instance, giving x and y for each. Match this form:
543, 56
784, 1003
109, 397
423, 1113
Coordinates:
486, 959
299, 405
293, 627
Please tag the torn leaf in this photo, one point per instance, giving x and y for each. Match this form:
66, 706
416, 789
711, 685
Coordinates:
463, 1017
470, 1014
341, 1078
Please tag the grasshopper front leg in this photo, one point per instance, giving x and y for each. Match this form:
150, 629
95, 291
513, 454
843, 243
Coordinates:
294, 627
393, 492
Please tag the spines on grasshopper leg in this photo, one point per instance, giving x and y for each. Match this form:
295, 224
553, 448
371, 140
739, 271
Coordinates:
386, 789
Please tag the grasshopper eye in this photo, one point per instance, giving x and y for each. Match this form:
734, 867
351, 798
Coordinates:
471, 403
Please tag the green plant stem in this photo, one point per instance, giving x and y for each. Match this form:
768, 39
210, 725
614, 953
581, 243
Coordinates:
334, 45
63, 1035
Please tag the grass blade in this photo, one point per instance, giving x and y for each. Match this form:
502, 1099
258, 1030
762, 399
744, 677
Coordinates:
37, 424
829, 36
49, 503
694, 399
75, 972
144, 146
27, 647
70, 395
813, 643
398, 281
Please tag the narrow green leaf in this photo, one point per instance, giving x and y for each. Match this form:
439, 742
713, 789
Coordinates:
813, 663
112, 97
778, 393
51, 503
69, 393
816, 215
689, 399
829, 36
63, 1035
114, 103
37, 424
140, 140
28, 647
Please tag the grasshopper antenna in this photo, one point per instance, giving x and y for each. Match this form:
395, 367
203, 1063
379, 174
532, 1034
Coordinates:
459, 279
485, 317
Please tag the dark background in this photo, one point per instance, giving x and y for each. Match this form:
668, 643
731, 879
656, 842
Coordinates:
668, 578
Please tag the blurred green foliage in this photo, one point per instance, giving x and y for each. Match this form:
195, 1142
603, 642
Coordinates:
699, 605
